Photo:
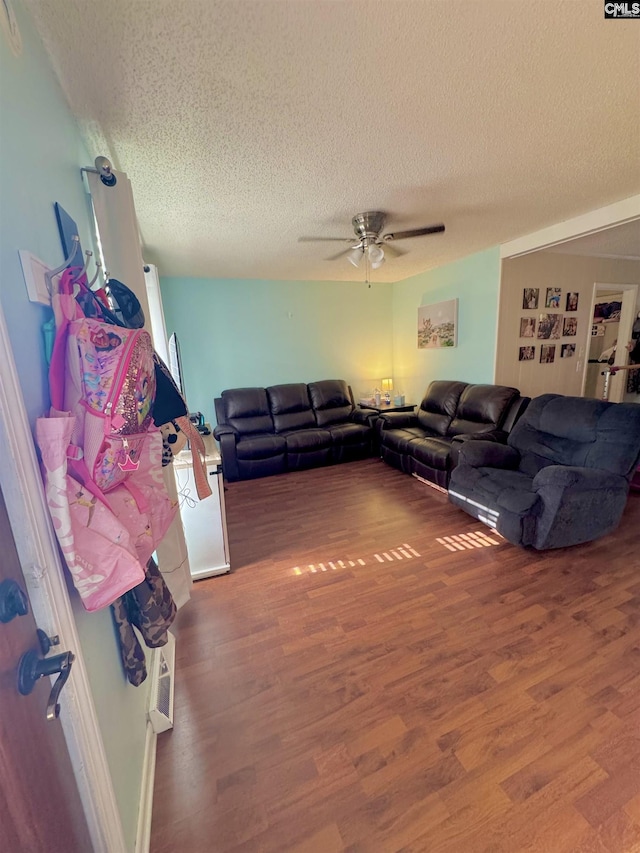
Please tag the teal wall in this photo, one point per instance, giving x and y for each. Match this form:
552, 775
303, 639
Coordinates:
41, 153
474, 281
236, 333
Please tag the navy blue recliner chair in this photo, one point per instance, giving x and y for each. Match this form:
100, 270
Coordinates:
561, 479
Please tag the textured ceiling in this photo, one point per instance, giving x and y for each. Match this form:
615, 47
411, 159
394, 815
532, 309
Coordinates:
245, 124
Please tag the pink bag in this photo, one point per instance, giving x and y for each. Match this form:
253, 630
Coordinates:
102, 457
105, 376
97, 547
106, 540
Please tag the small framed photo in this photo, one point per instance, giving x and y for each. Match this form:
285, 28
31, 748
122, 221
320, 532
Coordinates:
527, 354
530, 297
567, 350
549, 326
570, 327
597, 330
527, 327
572, 301
553, 297
547, 353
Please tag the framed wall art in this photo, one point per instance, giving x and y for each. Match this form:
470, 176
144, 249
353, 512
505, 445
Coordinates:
527, 327
438, 325
527, 354
547, 353
549, 326
572, 301
553, 297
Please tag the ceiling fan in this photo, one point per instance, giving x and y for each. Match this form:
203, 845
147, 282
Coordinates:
369, 241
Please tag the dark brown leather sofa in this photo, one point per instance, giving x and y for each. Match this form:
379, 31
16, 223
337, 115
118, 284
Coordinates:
427, 443
265, 431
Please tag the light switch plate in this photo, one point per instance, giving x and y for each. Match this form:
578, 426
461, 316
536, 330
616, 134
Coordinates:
33, 270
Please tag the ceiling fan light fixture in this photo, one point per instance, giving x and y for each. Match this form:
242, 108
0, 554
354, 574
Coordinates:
376, 256
355, 256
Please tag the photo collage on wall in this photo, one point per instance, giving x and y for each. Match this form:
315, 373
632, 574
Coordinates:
543, 322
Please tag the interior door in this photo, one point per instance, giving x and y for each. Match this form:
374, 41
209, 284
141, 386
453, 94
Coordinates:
40, 808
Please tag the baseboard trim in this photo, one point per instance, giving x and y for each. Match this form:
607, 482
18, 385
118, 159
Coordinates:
143, 834
431, 485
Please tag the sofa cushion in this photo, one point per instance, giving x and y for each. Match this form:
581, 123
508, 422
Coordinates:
307, 439
331, 401
349, 433
433, 452
437, 409
247, 410
290, 407
481, 408
398, 439
260, 446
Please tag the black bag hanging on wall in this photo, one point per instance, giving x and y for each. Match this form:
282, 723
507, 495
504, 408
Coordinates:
169, 403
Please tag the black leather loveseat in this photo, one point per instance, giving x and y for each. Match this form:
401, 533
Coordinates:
265, 431
427, 443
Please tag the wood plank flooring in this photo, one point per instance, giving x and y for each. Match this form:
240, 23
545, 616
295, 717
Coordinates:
483, 699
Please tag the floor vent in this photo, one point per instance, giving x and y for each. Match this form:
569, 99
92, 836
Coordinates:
161, 706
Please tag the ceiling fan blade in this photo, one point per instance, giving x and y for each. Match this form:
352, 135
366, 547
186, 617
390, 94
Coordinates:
341, 254
393, 251
416, 232
325, 239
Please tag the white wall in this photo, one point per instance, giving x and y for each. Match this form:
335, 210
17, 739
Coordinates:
541, 270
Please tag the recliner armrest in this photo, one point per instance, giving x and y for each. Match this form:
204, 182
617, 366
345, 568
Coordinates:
488, 454
495, 435
458, 441
223, 429
573, 476
363, 416
227, 438
397, 420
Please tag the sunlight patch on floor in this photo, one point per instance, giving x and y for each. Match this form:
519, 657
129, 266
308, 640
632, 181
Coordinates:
401, 552
467, 541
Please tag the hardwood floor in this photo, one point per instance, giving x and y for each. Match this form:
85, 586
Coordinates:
477, 699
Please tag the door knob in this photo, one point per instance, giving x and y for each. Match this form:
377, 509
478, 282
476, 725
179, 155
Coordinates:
32, 667
13, 601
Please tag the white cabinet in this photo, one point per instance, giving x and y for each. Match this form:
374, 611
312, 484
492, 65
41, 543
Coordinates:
204, 521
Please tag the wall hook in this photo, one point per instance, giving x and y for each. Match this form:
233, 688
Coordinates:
51, 274
104, 170
95, 278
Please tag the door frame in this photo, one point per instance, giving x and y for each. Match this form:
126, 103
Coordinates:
627, 315
44, 578
600, 219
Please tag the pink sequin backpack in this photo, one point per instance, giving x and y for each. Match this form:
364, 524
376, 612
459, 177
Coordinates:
104, 376
100, 450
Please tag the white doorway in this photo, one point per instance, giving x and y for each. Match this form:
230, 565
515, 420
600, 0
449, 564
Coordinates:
613, 310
